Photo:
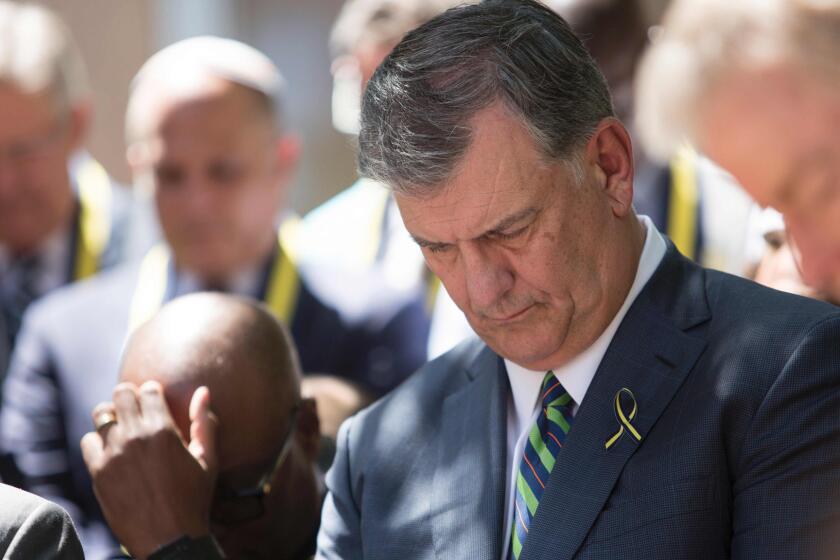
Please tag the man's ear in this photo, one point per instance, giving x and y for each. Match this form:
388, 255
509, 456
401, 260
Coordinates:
611, 151
287, 156
309, 428
80, 116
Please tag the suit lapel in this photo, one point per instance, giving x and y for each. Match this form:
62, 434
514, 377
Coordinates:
650, 355
468, 490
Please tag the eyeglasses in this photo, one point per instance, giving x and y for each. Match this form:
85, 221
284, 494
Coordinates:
233, 507
31, 149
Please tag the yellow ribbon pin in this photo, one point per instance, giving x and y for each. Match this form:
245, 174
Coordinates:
624, 420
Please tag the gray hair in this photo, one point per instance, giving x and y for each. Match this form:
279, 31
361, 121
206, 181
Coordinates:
701, 40
417, 108
38, 55
183, 68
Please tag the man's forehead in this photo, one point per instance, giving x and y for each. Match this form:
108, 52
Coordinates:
218, 105
501, 174
752, 125
448, 219
20, 111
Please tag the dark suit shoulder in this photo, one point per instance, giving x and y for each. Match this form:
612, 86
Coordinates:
744, 301
33, 528
750, 332
414, 407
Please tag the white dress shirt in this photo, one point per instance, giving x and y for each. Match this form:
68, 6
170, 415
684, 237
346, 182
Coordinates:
243, 283
576, 375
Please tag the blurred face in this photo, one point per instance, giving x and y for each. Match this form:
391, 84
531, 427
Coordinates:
350, 77
538, 263
778, 268
220, 175
35, 143
290, 511
778, 133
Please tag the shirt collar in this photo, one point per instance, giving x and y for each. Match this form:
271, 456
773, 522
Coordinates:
244, 282
577, 375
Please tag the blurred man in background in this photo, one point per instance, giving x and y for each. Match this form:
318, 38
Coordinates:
229, 366
774, 262
755, 84
61, 219
204, 124
688, 198
360, 231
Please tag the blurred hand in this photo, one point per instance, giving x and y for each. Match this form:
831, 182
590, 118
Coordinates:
152, 485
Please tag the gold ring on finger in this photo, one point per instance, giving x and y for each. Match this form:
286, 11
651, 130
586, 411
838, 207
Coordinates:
103, 420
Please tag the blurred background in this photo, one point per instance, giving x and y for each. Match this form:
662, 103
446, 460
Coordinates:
117, 37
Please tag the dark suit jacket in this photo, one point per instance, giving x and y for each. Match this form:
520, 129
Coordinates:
67, 360
738, 389
32, 528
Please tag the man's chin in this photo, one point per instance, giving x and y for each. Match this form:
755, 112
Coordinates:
521, 353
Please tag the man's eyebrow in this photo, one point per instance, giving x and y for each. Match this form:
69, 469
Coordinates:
511, 220
425, 243
501, 226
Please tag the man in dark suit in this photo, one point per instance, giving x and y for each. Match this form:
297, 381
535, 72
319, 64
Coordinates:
623, 401
32, 528
221, 163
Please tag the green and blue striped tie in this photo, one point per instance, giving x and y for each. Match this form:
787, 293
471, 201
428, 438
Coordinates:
545, 440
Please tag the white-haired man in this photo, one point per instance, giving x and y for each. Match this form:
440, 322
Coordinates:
755, 85
360, 231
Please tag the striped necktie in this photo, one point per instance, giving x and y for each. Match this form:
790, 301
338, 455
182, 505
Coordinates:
544, 443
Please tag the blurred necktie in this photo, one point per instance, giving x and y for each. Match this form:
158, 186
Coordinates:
544, 443
17, 293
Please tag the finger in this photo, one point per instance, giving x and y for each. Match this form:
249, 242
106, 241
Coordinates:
93, 451
127, 408
101, 408
104, 419
153, 405
203, 429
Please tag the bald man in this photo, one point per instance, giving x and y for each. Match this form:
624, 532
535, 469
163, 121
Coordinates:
227, 366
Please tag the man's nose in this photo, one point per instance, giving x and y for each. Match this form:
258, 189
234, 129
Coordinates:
8, 177
195, 198
816, 259
487, 274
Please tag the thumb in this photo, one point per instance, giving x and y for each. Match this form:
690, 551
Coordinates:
203, 429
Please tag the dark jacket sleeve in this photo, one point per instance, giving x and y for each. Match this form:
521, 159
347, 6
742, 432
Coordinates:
32, 424
340, 534
786, 494
34, 529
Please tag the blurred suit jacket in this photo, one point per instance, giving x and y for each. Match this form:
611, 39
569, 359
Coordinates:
738, 391
32, 528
